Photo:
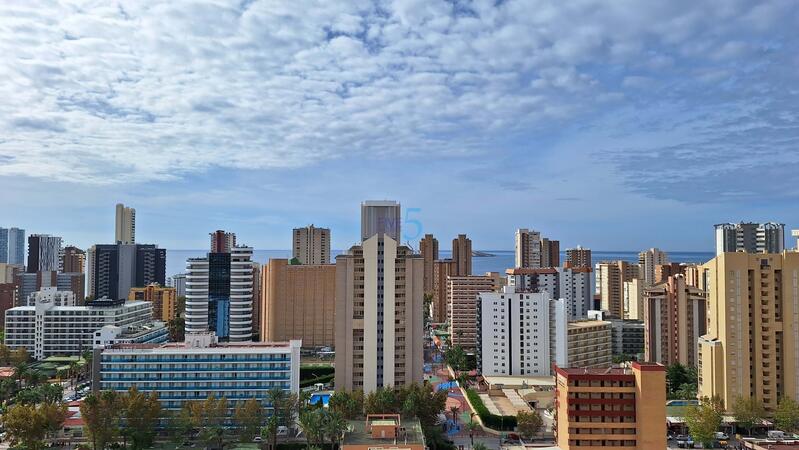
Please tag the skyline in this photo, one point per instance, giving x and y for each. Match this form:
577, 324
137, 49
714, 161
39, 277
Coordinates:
613, 126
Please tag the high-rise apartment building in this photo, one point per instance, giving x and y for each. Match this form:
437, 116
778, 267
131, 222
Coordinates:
750, 237
573, 284
664, 271
579, 257
528, 248
28, 283
8, 272
163, 299
589, 344
751, 346
8, 299
462, 255
219, 293
632, 299
381, 217
647, 261
12, 246
125, 225
519, 332
178, 281
222, 241
113, 269
613, 275
298, 302
674, 319
311, 245
379, 302
442, 270
607, 408
550, 253
462, 298
43, 253
73, 260
428, 248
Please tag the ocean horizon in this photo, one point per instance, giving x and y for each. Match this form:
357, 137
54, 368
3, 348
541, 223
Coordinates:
498, 262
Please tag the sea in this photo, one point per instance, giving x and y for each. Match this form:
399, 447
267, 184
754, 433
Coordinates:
497, 262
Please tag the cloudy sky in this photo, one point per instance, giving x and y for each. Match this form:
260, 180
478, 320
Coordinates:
615, 124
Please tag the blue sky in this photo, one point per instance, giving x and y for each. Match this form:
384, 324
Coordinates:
615, 125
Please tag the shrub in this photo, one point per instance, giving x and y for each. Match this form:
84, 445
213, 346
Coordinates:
503, 423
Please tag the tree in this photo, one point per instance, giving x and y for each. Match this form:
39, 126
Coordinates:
53, 415
177, 329
787, 415
748, 412
704, 419
311, 422
25, 425
529, 423
5, 354
248, 416
209, 416
456, 358
19, 356
101, 415
686, 391
141, 413
454, 410
278, 399
380, 401
333, 426
348, 404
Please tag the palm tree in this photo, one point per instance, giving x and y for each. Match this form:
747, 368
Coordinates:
454, 410
334, 427
21, 372
277, 398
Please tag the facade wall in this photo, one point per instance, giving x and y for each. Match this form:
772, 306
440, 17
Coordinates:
612, 276
674, 319
298, 302
311, 245
528, 248
462, 298
590, 344
428, 248
163, 299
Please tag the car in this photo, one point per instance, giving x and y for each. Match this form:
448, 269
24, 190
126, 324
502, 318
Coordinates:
257, 439
722, 436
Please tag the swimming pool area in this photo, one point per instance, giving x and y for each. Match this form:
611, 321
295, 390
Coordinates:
682, 402
317, 397
447, 385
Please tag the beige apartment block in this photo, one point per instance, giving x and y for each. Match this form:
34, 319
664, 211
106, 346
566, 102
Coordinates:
462, 255
298, 302
462, 298
750, 348
311, 245
632, 292
612, 276
379, 326
589, 343
648, 260
428, 247
163, 299
579, 257
674, 318
442, 270
528, 248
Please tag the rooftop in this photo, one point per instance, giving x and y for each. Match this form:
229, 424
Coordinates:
358, 434
587, 323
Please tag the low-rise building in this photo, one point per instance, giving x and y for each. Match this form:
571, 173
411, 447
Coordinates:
199, 368
163, 299
52, 295
589, 344
384, 432
49, 330
611, 408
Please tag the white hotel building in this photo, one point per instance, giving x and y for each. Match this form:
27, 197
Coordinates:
520, 333
198, 368
47, 329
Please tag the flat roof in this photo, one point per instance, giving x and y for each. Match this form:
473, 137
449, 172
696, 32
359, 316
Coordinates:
587, 323
357, 434
520, 380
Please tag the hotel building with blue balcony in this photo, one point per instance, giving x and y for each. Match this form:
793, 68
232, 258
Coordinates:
201, 366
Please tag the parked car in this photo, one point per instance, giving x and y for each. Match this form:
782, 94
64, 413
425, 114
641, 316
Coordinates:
722, 436
257, 439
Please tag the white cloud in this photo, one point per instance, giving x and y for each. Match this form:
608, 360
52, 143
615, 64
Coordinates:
160, 89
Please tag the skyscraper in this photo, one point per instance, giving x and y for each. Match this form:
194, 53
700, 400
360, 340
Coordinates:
750, 237
428, 247
219, 292
43, 253
572, 284
675, 315
751, 347
222, 242
550, 253
579, 257
379, 217
72, 260
462, 255
16, 246
379, 299
115, 268
462, 298
647, 261
612, 276
311, 245
528, 248
125, 231
3, 245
